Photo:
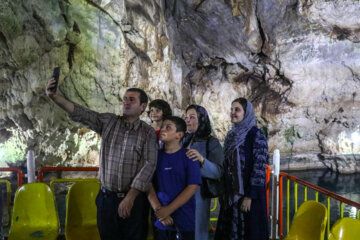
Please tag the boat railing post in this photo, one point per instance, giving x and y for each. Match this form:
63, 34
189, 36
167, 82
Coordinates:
274, 194
30, 166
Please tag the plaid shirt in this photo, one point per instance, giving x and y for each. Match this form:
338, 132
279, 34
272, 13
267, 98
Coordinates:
128, 153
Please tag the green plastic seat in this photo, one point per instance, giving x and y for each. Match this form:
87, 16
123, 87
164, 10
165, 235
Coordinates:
345, 229
309, 222
81, 221
34, 213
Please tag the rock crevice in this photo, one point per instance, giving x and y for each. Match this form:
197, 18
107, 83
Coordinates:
296, 60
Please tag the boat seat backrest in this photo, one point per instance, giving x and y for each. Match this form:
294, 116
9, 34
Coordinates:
345, 229
309, 222
34, 213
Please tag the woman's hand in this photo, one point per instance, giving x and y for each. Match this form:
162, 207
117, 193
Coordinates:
245, 204
195, 155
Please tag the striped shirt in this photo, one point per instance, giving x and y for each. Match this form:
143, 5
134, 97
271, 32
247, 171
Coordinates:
128, 153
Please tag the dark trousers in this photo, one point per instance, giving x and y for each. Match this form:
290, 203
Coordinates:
171, 235
113, 227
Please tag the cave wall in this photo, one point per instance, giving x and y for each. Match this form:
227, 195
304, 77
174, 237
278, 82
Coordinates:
298, 61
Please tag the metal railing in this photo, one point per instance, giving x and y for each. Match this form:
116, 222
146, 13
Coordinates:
277, 197
64, 169
20, 175
317, 189
267, 185
71, 180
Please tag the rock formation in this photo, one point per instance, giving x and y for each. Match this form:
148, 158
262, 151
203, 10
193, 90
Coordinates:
298, 61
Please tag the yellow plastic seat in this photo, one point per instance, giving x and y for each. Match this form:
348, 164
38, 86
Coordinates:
309, 222
34, 213
80, 221
345, 229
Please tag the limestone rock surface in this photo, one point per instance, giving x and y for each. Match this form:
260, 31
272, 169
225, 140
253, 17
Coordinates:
298, 61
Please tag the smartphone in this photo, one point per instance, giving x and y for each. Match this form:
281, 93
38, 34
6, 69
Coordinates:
56, 74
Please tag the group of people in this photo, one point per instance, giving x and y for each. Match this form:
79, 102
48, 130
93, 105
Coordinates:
163, 165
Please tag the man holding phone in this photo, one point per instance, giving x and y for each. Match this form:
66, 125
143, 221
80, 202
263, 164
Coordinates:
127, 162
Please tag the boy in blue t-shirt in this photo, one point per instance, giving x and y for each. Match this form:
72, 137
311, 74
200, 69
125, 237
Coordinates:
175, 182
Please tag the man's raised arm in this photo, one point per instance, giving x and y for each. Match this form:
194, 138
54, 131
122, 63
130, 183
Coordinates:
58, 99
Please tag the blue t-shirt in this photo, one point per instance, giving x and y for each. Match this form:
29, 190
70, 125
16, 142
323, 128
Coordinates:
174, 172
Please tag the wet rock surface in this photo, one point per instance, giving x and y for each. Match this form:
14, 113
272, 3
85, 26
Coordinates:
296, 60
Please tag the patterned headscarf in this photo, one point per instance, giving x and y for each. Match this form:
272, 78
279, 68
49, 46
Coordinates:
204, 127
236, 136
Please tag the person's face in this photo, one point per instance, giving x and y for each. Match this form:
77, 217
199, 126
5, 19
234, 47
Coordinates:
191, 120
237, 112
155, 114
168, 132
131, 104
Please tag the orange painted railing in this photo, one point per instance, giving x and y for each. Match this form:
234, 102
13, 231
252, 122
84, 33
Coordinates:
313, 187
280, 221
62, 169
268, 172
20, 175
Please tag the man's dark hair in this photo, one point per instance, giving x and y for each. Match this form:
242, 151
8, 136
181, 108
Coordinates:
179, 123
162, 105
243, 103
142, 95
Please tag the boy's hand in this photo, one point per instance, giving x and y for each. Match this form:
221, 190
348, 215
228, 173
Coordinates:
163, 212
167, 221
195, 155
